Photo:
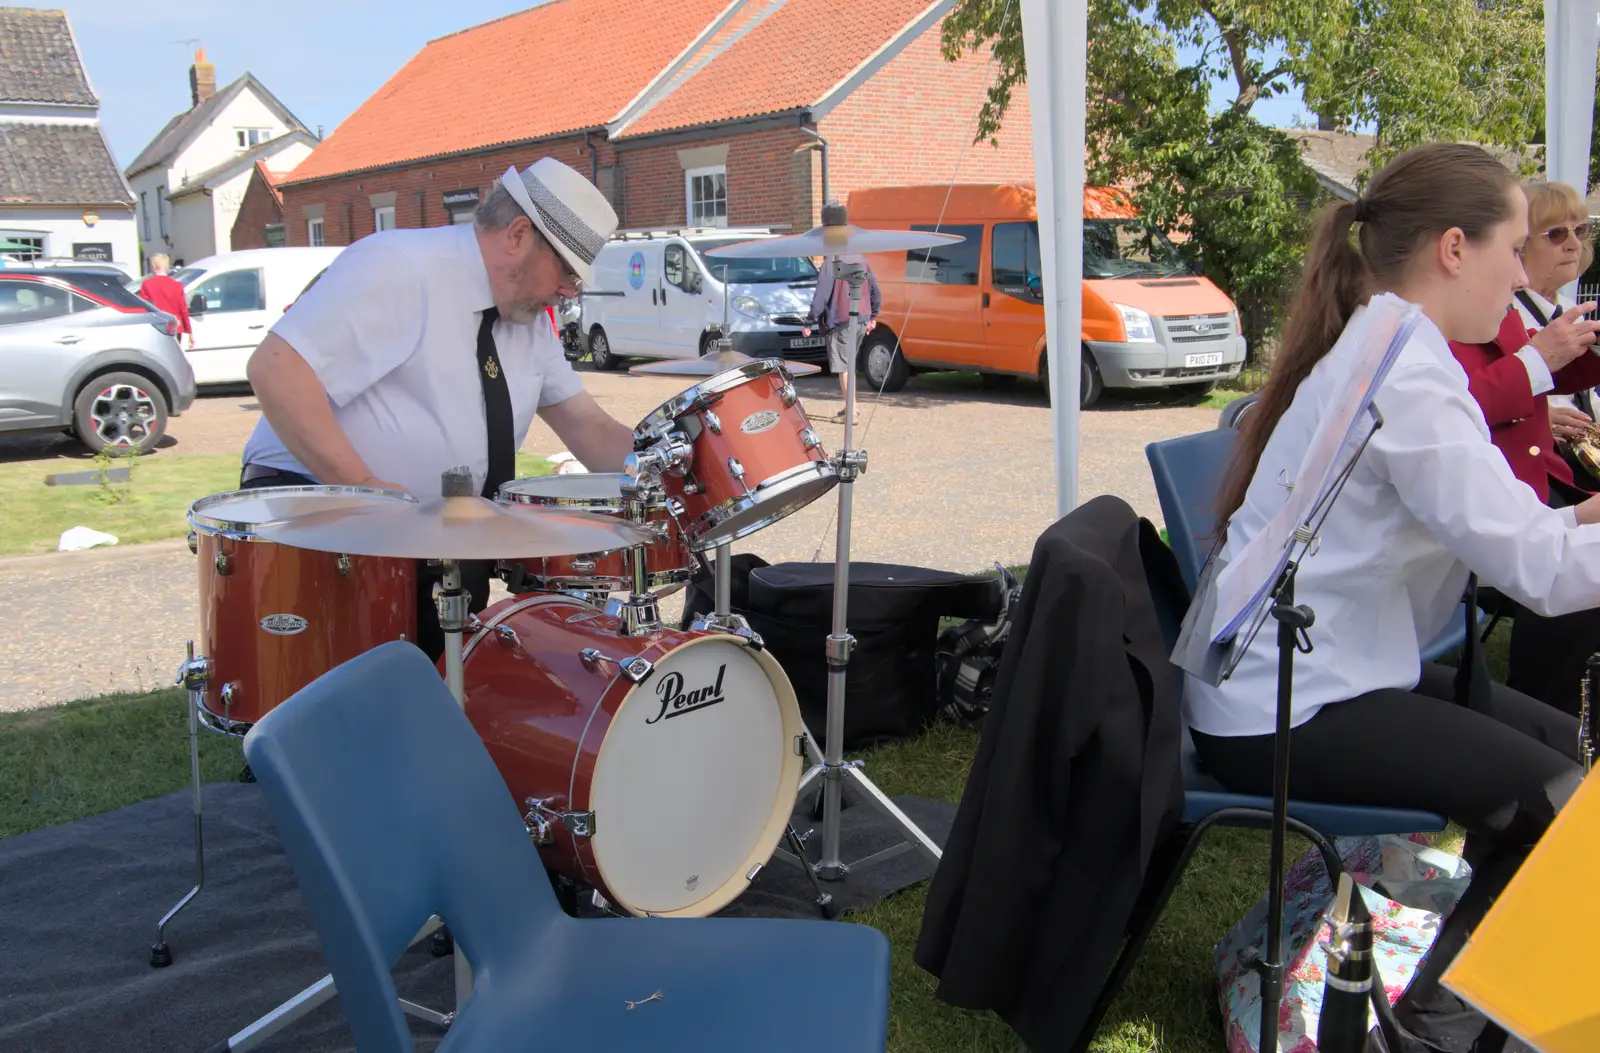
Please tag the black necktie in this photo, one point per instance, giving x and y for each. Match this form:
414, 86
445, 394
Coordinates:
496, 408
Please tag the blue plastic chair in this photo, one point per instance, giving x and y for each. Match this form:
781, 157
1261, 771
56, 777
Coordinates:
1207, 805
1188, 473
392, 811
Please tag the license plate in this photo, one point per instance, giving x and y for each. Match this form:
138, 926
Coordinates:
807, 341
1213, 358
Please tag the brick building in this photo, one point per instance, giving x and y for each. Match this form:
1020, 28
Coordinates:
695, 113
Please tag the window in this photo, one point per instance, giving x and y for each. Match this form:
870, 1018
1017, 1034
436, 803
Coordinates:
461, 216
1014, 259
276, 237
161, 208
383, 218
707, 190
1127, 248
749, 272
144, 212
232, 291
676, 268
948, 264
30, 245
248, 137
314, 231
34, 302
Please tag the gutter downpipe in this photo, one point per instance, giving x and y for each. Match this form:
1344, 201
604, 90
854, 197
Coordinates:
824, 144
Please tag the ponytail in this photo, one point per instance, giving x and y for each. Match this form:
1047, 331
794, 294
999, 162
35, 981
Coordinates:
1417, 197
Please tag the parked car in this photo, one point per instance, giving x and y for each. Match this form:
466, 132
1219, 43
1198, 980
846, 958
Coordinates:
234, 297
79, 358
1148, 321
657, 295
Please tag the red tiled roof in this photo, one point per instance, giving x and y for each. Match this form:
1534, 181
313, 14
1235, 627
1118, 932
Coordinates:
790, 54
559, 67
273, 180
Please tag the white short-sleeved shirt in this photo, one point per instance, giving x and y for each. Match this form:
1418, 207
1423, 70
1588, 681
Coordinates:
1430, 498
391, 330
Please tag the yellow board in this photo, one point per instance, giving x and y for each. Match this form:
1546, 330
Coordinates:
1530, 966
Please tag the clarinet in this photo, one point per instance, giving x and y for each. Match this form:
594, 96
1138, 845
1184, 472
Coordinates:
1586, 717
1347, 980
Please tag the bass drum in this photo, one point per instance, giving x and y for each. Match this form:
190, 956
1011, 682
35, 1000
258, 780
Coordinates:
659, 770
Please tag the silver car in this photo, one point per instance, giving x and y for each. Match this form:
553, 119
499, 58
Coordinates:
80, 353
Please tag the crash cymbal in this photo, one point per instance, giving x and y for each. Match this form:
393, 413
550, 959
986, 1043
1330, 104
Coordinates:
835, 239
712, 364
454, 528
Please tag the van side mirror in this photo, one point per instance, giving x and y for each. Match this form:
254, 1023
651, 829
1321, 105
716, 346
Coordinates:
197, 304
696, 282
1036, 286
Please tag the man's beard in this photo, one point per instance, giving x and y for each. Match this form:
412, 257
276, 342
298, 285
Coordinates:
527, 309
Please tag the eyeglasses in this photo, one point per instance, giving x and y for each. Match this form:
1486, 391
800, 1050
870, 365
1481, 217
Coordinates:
1558, 235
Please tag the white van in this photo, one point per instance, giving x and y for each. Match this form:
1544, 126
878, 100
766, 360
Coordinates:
235, 297
657, 295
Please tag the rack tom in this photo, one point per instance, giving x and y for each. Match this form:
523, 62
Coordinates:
667, 559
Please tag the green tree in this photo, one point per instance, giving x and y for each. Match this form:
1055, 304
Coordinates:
1240, 191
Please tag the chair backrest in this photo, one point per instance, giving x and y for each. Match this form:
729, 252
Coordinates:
391, 810
1188, 472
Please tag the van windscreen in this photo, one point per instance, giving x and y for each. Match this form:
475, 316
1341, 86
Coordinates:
753, 272
1128, 248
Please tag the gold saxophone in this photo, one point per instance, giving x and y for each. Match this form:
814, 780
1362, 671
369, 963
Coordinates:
1586, 716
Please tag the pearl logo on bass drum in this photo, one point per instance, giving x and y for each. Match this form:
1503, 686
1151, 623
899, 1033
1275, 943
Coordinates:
675, 702
284, 624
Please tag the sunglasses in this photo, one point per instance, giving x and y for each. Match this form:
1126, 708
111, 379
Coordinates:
1558, 235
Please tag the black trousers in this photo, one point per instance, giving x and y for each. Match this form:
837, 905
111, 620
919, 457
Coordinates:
1501, 774
474, 574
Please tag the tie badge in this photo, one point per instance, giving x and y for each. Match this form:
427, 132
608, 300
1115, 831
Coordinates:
491, 367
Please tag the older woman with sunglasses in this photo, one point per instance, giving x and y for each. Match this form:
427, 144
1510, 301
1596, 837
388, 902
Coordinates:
1542, 353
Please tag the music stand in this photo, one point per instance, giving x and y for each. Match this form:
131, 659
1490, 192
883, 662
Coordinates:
1259, 582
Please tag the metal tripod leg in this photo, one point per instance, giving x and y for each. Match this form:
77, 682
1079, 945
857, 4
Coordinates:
308, 1001
193, 675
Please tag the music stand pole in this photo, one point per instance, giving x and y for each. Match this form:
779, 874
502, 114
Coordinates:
1293, 621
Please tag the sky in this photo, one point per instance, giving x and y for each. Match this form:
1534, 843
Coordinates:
322, 58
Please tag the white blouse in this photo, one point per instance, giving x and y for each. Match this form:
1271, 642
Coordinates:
1429, 498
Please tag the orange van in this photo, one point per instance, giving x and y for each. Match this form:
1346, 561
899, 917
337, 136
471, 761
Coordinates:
1148, 320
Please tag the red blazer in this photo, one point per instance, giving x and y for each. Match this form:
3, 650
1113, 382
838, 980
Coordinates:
1519, 420
167, 295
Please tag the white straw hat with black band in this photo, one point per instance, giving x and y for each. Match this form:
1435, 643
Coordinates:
569, 211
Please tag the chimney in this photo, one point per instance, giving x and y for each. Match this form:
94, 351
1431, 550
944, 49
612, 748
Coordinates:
1326, 124
202, 78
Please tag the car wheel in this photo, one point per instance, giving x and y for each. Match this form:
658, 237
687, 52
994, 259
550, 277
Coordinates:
600, 351
120, 411
1090, 384
708, 343
882, 364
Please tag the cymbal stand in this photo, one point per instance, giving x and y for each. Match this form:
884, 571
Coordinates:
832, 769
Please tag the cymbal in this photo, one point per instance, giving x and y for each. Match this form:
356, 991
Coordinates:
712, 364
455, 528
835, 240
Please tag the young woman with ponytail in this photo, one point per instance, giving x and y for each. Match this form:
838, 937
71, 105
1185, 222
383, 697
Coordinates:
1429, 501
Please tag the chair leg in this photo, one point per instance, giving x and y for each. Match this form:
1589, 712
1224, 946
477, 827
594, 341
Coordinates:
1136, 939
1145, 925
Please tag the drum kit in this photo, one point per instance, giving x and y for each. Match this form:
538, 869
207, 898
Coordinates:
572, 682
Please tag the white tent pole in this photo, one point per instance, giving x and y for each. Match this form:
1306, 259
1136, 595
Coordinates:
1571, 39
1055, 41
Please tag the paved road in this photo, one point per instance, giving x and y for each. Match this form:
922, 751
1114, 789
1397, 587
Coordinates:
959, 477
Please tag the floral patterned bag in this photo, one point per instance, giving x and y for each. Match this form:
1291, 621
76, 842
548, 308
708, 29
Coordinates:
1409, 888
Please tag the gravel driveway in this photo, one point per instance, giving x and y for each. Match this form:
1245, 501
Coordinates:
958, 478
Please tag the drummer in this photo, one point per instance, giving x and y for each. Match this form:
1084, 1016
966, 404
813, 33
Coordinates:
422, 349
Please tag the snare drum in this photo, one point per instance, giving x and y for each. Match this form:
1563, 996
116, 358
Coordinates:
667, 559
660, 771
756, 456
274, 618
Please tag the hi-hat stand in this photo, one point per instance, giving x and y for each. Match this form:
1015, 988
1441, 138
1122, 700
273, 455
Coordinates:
829, 766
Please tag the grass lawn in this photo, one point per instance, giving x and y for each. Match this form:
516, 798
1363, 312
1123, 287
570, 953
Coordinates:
151, 506
91, 756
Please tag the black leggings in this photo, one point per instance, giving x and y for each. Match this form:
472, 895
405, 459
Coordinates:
474, 576
1501, 774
